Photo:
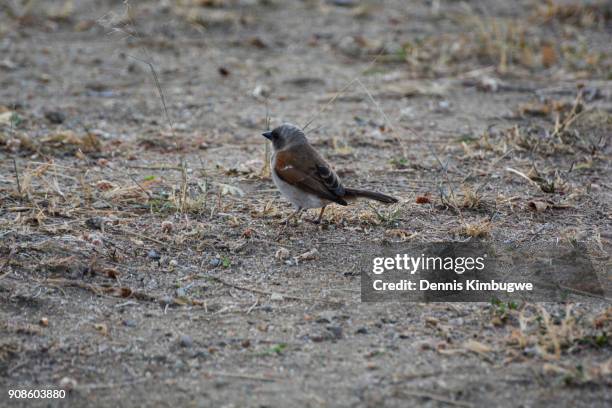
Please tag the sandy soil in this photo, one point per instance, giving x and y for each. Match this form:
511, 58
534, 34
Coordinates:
142, 260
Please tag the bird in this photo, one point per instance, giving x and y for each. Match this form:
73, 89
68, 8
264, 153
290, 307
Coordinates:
303, 176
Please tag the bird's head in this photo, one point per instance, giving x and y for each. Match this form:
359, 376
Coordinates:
285, 135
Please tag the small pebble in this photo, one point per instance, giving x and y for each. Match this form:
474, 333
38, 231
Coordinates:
95, 222
152, 254
350, 46
215, 262
185, 341
55, 117
530, 351
129, 323
199, 354
443, 106
336, 331
488, 84
423, 345
67, 383
261, 92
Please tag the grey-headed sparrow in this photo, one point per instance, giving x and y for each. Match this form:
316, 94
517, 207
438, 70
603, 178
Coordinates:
305, 178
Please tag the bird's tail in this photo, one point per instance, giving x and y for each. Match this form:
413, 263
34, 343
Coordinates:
352, 193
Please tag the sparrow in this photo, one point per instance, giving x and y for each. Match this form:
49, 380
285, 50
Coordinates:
305, 178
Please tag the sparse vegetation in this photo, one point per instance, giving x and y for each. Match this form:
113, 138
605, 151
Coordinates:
142, 253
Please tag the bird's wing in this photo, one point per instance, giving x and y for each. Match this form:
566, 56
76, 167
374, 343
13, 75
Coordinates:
303, 168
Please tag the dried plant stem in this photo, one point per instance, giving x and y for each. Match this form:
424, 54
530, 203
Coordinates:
434, 397
159, 91
265, 292
341, 91
523, 175
17, 177
184, 180
244, 376
139, 186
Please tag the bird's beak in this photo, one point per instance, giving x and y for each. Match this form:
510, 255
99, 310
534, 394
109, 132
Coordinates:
267, 135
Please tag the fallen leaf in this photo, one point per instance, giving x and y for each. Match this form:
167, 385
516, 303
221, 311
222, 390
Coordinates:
308, 256
111, 273
423, 200
535, 109
104, 185
399, 233
229, 189
167, 227
126, 292
282, 254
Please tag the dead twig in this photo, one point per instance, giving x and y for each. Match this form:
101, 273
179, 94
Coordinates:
342, 90
184, 181
444, 169
17, 177
141, 187
119, 292
141, 236
159, 89
98, 386
244, 376
161, 167
434, 397
265, 292
523, 175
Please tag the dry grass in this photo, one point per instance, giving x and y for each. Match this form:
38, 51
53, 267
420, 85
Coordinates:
580, 14
477, 229
513, 46
138, 224
552, 337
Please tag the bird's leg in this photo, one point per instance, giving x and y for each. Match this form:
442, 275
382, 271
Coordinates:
318, 221
292, 216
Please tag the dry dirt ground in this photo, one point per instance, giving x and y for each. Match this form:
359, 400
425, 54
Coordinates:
142, 260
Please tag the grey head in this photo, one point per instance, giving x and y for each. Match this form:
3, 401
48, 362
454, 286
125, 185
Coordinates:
285, 135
